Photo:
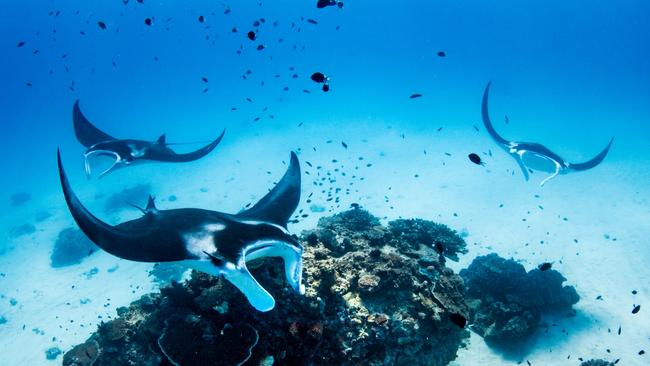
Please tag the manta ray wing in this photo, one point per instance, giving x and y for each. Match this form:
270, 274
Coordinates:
101, 233
593, 162
87, 134
278, 205
486, 119
191, 156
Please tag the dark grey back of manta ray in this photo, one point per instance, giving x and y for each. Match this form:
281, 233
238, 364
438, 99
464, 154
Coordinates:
532, 146
157, 235
89, 136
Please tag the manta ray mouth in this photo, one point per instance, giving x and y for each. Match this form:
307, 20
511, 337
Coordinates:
98, 153
290, 253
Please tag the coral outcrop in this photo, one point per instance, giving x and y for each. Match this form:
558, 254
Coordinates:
597, 362
507, 302
370, 300
71, 247
121, 200
413, 234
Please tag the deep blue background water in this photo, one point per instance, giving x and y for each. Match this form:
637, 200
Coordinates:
569, 74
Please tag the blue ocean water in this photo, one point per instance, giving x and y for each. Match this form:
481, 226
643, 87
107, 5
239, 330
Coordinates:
570, 75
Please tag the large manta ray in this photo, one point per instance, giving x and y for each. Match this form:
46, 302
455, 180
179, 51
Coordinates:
534, 156
128, 151
213, 242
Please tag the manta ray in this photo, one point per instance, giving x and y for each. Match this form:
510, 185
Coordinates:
213, 242
533, 156
128, 151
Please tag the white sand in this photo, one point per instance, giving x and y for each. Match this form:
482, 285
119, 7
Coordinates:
610, 200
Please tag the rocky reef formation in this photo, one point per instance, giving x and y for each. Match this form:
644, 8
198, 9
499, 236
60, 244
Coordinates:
597, 362
507, 302
71, 247
413, 235
123, 199
370, 300
165, 273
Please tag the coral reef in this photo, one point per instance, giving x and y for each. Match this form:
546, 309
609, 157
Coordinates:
597, 363
411, 234
71, 247
127, 196
164, 273
85, 354
507, 302
366, 303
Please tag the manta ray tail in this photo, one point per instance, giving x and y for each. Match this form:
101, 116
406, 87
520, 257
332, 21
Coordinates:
593, 162
194, 155
102, 234
279, 204
87, 134
486, 119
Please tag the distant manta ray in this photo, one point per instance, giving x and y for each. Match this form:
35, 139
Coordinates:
128, 151
534, 156
213, 242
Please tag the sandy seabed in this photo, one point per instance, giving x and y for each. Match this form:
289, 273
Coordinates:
593, 226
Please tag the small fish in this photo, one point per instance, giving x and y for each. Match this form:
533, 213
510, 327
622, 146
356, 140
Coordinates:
441, 54
545, 266
325, 3
312, 21
147, 21
318, 77
201, 19
205, 80
101, 24
636, 309
458, 319
344, 144
413, 96
20, 44
326, 88
260, 47
474, 158
251, 35
439, 247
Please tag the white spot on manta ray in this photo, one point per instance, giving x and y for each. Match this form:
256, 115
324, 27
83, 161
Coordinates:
202, 241
137, 153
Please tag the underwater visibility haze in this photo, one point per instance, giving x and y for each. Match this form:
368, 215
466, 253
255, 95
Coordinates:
325, 182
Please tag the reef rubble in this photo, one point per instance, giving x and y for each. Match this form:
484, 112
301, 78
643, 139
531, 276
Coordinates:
372, 298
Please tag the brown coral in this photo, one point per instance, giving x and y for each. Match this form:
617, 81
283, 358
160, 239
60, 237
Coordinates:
367, 302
